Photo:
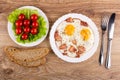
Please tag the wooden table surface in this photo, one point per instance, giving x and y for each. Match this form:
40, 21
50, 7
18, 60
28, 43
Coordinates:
55, 68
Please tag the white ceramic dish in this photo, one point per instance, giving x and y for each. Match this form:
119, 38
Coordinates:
11, 33
86, 55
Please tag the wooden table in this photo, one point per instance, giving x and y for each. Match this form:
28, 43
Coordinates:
55, 68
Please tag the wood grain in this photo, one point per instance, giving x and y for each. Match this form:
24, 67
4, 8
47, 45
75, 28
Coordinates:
55, 68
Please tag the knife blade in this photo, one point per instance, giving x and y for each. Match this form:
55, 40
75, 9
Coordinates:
111, 25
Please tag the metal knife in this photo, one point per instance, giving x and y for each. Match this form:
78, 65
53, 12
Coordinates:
110, 37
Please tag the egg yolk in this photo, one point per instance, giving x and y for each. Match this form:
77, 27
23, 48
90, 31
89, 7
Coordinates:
69, 29
85, 34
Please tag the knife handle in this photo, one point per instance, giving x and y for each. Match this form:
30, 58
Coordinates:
108, 57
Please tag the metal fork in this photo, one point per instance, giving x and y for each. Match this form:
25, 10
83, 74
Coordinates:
104, 24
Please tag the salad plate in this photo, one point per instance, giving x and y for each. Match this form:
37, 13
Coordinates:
32, 38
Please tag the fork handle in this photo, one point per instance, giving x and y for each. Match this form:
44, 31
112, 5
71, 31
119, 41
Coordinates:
101, 50
108, 57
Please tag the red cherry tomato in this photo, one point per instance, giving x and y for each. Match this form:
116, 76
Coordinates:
21, 17
27, 29
18, 30
35, 24
34, 31
26, 22
18, 23
33, 17
24, 36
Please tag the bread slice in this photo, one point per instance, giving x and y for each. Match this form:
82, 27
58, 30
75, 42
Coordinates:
29, 64
26, 55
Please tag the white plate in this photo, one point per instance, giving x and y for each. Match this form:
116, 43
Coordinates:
85, 56
11, 33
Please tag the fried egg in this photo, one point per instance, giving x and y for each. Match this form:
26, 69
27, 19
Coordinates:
74, 34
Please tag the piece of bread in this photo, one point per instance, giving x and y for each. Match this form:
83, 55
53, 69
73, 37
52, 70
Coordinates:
26, 55
29, 64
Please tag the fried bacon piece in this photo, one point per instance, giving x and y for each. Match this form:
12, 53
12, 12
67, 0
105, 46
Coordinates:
72, 49
64, 53
84, 23
69, 19
81, 49
57, 36
78, 55
63, 46
74, 42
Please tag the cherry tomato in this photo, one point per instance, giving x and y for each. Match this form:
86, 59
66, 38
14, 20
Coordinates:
27, 29
33, 17
18, 23
24, 36
34, 31
27, 22
35, 24
18, 30
21, 17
